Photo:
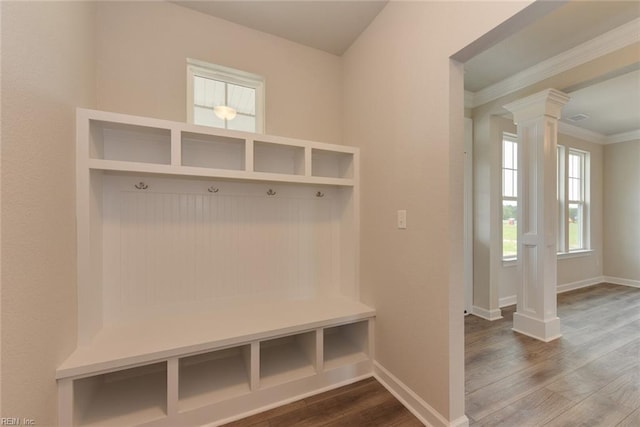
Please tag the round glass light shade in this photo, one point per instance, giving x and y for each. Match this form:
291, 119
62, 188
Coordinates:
224, 112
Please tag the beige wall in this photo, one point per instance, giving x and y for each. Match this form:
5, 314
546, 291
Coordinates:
142, 49
397, 108
621, 211
47, 70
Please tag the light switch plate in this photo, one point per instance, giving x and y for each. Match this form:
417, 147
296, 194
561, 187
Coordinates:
402, 219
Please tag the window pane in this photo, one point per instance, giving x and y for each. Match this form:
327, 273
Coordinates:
509, 229
243, 99
208, 92
576, 228
205, 116
245, 123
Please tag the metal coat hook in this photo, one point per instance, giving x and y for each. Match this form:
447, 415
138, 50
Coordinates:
141, 186
213, 189
271, 192
319, 194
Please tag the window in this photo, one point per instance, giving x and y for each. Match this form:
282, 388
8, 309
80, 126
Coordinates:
223, 97
573, 196
509, 196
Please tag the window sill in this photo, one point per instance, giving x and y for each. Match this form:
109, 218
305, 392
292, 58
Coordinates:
575, 254
512, 262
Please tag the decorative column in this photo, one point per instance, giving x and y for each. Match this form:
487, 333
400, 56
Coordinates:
537, 119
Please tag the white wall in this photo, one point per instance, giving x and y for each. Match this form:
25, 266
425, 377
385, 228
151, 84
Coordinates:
397, 108
621, 211
47, 71
142, 49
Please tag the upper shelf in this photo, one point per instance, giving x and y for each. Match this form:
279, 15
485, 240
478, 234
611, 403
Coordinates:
118, 142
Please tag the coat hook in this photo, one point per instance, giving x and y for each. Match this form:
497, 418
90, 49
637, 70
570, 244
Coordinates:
271, 192
319, 194
212, 189
141, 186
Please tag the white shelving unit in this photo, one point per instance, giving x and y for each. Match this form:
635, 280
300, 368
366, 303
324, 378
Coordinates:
217, 273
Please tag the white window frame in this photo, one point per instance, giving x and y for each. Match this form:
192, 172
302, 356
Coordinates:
563, 200
514, 139
228, 75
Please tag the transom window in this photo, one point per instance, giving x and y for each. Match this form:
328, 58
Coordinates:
224, 97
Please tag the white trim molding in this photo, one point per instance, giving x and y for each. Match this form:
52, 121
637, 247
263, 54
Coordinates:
414, 403
578, 132
604, 44
507, 301
621, 281
566, 287
623, 137
495, 314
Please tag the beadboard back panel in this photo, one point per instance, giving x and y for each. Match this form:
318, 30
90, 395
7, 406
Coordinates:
178, 244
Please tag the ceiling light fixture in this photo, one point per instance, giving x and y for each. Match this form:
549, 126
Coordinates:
224, 112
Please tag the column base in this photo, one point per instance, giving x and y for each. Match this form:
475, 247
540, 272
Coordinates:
535, 328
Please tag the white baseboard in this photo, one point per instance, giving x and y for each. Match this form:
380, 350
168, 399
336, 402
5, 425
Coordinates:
494, 314
621, 281
507, 301
566, 287
418, 407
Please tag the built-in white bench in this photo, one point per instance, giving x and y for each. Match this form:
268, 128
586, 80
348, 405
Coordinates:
217, 273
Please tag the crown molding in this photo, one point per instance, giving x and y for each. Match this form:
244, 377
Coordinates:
606, 43
580, 133
623, 137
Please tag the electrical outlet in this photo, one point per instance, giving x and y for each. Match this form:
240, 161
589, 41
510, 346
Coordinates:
402, 219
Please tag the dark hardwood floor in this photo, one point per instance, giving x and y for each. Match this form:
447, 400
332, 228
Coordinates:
589, 377
365, 403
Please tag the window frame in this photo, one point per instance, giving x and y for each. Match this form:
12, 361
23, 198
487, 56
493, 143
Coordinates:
512, 138
564, 201
197, 68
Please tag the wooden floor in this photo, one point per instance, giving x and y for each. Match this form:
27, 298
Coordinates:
589, 377
365, 403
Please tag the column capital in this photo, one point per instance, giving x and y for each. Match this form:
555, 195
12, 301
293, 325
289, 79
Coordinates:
549, 102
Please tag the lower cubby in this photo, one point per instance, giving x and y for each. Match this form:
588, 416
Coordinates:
222, 365
213, 377
128, 397
345, 344
287, 358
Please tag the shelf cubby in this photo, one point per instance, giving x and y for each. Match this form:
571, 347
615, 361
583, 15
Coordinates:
278, 158
129, 143
214, 376
331, 164
345, 344
287, 359
127, 397
213, 151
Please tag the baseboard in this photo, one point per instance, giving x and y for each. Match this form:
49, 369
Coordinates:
566, 287
418, 407
507, 301
494, 314
621, 281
